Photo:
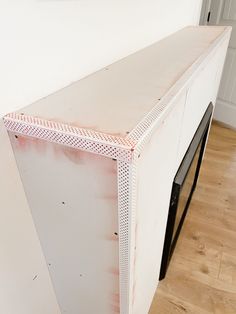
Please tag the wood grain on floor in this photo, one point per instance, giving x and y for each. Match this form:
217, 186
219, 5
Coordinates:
201, 278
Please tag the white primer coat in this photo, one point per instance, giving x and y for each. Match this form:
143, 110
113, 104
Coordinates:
46, 45
53, 164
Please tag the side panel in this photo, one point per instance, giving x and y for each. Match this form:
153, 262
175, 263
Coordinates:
221, 55
73, 198
156, 168
25, 286
155, 173
201, 92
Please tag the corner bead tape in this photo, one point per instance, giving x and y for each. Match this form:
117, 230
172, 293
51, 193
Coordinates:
88, 140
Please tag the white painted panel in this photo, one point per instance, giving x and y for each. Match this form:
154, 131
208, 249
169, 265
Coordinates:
200, 94
73, 199
224, 87
227, 90
25, 286
156, 168
221, 56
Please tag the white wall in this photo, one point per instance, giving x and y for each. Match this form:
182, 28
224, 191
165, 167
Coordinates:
45, 45
48, 44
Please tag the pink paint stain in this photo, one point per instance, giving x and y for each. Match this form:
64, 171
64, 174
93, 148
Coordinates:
74, 155
80, 126
112, 196
115, 308
114, 271
25, 143
77, 156
114, 238
112, 170
115, 298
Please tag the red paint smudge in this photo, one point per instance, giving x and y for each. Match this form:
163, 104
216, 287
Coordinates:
110, 197
25, 143
112, 169
116, 134
77, 156
78, 125
22, 143
115, 298
114, 271
115, 308
74, 155
112, 238
96, 129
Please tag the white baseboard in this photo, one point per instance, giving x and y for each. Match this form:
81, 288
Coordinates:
225, 112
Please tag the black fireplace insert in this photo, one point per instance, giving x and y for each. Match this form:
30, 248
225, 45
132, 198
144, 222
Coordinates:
183, 187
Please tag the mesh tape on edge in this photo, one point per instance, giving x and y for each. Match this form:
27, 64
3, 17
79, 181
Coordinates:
157, 110
67, 128
72, 140
145, 124
124, 217
127, 182
133, 228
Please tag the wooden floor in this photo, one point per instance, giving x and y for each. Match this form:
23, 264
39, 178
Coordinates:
201, 278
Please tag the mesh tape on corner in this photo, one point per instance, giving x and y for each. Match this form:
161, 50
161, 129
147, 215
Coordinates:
61, 137
145, 124
67, 128
124, 204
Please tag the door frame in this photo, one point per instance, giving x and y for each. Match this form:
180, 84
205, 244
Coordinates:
206, 6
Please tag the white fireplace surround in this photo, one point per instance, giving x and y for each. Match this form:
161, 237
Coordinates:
97, 161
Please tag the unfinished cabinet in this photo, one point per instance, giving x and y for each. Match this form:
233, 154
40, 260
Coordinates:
97, 160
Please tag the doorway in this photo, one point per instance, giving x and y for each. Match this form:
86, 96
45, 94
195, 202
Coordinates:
223, 12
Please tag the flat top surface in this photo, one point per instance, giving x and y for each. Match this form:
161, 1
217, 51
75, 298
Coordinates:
116, 98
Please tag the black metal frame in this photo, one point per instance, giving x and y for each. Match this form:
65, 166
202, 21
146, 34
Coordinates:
199, 138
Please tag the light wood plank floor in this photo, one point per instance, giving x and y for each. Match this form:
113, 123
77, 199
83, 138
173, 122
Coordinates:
201, 278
